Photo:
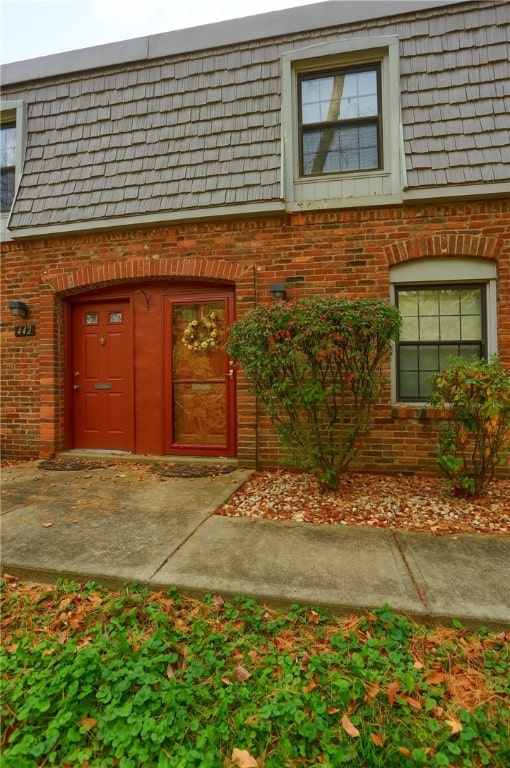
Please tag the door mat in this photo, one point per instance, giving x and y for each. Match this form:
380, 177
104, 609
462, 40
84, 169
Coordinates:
191, 470
73, 465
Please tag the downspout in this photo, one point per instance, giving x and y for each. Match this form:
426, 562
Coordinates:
257, 441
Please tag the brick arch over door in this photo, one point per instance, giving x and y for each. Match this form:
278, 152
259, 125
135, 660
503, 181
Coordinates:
441, 245
56, 287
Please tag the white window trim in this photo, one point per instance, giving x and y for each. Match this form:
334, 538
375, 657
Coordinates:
14, 111
453, 269
376, 50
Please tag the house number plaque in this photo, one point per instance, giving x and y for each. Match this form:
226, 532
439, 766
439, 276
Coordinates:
24, 330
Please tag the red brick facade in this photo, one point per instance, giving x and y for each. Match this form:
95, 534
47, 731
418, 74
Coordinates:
339, 253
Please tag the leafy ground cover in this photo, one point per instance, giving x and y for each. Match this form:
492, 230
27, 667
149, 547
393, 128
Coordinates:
94, 678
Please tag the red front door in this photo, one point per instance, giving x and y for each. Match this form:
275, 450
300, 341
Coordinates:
102, 375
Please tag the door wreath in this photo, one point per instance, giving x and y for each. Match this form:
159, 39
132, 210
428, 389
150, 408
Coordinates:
202, 335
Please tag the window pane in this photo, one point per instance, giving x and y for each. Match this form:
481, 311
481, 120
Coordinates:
198, 340
429, 302
428, 358
7, 185
339, 96
429, 328
358, 148
408, 303
470, 351
450, 328
449, 302
359, 95
409, 330
334, 150
424, 385
7, 145
471, 301
446, 354
408, 384
91, 318
471, 327
199, 413
408, 358
320, 99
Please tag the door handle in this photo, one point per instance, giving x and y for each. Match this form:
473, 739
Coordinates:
231, 372
76, 386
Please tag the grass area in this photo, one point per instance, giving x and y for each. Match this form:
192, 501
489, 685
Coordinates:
94, 678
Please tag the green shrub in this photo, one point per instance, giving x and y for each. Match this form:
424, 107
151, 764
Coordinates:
317, 366
475, 439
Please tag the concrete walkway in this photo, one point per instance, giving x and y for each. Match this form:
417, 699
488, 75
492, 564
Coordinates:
122, 523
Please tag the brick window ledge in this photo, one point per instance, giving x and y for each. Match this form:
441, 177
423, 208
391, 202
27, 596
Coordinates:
418, 412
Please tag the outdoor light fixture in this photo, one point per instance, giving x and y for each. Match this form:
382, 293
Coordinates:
277, 291
18, 308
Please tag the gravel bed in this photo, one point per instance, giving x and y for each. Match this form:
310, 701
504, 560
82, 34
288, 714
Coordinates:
406, 502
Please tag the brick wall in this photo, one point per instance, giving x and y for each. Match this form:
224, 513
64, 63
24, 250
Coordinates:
339, 253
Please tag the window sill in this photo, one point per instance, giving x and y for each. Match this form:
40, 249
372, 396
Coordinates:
340, 176
418, 412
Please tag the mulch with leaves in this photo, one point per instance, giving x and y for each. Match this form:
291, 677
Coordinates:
94, 678
406, 502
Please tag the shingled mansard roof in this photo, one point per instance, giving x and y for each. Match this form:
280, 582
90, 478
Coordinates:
183, 121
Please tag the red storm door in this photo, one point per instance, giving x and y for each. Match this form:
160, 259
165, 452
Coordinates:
102, 375
200, 382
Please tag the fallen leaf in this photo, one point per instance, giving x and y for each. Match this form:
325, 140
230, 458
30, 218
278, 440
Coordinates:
12, 648
310, 687
241, 674
413, 702
454, 725
373, 690
404, 751
418, 665
170, 672
333, 710
241, 758
435, 678
218, 602
74, 619
393, 689
378, 741
349, 727
88, 722
47, 525
226, 681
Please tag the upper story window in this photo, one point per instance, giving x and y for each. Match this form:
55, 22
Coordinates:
341, 124
12, 150
340, 121
7, 164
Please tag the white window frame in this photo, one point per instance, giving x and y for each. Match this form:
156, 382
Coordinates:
14, 112
437, 271
339, 190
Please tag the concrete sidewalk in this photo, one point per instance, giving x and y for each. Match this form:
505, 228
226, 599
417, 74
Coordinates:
122, 523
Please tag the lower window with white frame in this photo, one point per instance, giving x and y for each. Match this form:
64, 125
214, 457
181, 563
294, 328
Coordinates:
439, 322
448, 310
